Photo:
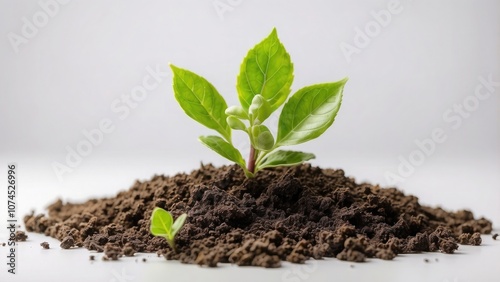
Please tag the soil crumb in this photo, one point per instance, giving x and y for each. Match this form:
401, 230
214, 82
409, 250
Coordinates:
494, 236
45, 245
112, 251
128, 250
67, 242
20, 236
283, 214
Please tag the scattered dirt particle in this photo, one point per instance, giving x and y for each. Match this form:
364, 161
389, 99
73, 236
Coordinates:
494, 236
3, 244
436, 259
470, 239
282, 214
20, 236
144, 260
464, 238
91, 257
67, 242
475, 239
351, 266
426, 260
45, 245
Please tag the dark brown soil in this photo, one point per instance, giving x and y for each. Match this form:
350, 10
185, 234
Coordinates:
128, 250
495, 236
470, 239
112, 251
20, 236
284, 214
67, 242
45, 245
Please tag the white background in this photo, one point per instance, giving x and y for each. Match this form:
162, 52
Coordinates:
427, 58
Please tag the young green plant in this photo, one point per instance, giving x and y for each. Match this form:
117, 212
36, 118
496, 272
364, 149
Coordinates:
163, 224
263, 85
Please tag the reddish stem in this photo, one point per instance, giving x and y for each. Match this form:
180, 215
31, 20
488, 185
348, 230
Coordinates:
251, 160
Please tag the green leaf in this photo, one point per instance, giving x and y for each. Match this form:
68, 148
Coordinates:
260, 109
266, 70
161, 223
201, 101
235, 123
284, 158
178, 223
309, 113
223, 148
237, 111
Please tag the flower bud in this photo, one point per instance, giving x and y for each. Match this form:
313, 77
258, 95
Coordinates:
235, 123
259, 110
237, 111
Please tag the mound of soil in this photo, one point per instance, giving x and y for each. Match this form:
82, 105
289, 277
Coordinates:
284, 214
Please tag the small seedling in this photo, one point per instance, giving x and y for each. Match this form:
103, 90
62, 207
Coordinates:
263, 85
163, 224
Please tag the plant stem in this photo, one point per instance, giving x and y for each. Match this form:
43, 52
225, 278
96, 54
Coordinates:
172, 244
251, 160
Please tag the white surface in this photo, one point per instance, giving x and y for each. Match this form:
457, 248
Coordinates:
429, 58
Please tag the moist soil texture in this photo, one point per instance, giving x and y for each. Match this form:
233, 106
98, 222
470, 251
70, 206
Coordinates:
283, 214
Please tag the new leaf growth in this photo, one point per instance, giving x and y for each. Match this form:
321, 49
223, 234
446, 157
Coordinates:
163, 224
263, 85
